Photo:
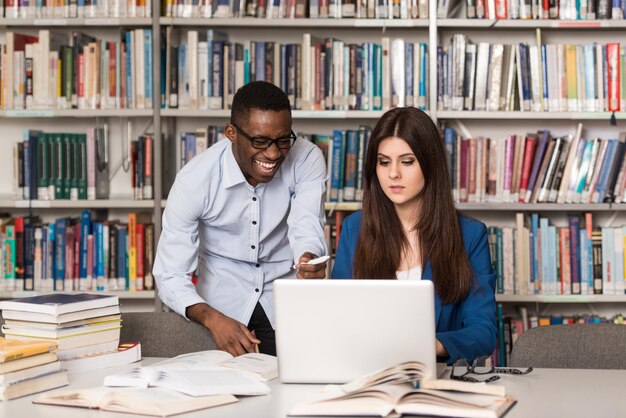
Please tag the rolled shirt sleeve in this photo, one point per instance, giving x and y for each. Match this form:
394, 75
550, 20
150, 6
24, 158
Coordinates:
307, 217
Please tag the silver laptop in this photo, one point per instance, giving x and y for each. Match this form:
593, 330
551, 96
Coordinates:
333, 331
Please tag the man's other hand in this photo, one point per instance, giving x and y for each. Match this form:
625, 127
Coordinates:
228, 334
310, 271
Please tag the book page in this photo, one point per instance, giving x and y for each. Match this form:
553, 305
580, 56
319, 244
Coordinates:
404, 372
84, 398
259, 365
136, 377
376, 401
200, 359
211, 382
159, 402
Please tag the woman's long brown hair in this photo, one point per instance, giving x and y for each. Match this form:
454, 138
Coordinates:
382, 240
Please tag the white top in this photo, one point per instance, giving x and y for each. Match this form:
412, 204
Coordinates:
412, 274
240, 238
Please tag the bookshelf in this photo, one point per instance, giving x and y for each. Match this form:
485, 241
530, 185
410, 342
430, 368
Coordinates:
433, 30
123, 125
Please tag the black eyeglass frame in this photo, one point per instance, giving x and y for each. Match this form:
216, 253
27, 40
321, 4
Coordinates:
471, 369
266, 143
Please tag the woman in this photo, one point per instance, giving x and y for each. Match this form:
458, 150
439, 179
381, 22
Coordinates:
409, 229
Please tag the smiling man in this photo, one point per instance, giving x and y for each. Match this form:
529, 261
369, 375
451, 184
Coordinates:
242, 213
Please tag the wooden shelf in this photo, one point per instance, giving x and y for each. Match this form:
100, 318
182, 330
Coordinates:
76, 22
143, 294
506, 207
453, 114
561, 298
296, 114
536, 207
531, 24
123, 203
347, 206
77, 113
252, 22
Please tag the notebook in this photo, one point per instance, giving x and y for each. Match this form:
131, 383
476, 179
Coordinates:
333, 331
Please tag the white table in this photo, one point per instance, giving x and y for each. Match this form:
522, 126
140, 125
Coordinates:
551, 393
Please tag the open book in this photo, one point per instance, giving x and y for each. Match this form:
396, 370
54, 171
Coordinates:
204, 373
393, 390
158, 402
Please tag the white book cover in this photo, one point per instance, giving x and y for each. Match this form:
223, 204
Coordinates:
618, 255
482, 68
608, 261
495, 77
535, 80
398, 73
203, 75
553, 78
458, 71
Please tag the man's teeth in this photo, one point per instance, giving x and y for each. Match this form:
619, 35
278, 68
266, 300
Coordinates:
266, 165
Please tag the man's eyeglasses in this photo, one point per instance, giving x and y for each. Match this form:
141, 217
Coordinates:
461, 371
260, 142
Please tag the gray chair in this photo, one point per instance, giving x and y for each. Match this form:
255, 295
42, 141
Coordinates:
578, 346
165, 334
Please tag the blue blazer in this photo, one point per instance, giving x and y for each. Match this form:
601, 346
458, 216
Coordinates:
466, 329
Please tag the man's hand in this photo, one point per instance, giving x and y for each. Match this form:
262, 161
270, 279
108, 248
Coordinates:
229, 335
310, 271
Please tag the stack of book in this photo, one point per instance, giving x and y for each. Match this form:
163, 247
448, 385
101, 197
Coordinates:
28, 367
81, 324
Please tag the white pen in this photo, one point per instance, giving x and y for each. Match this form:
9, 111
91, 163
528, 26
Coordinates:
318, 260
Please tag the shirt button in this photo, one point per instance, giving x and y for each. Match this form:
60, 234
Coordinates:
258, 265
254, 199
253, 222
253, 247
256, 290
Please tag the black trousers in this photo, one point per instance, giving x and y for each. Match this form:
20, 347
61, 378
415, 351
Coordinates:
260, 324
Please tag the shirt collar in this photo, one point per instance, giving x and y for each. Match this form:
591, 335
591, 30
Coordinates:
233, 175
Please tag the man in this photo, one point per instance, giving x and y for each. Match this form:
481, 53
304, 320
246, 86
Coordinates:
242, 213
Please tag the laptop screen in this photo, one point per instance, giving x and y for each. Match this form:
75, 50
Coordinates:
333, 331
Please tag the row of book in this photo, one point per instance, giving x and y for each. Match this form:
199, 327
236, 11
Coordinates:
537, 168
14, 9
536, 257
541, 77
71, 254
56, 166
193, 143
54, 71
553, 9
281, 9
205, 71
344, 151
511, 327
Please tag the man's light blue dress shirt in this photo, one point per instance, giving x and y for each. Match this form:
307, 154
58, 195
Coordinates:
240, 238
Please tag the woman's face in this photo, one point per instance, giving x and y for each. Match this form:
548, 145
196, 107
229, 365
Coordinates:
398, 172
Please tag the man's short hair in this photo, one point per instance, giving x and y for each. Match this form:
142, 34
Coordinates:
257, 95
